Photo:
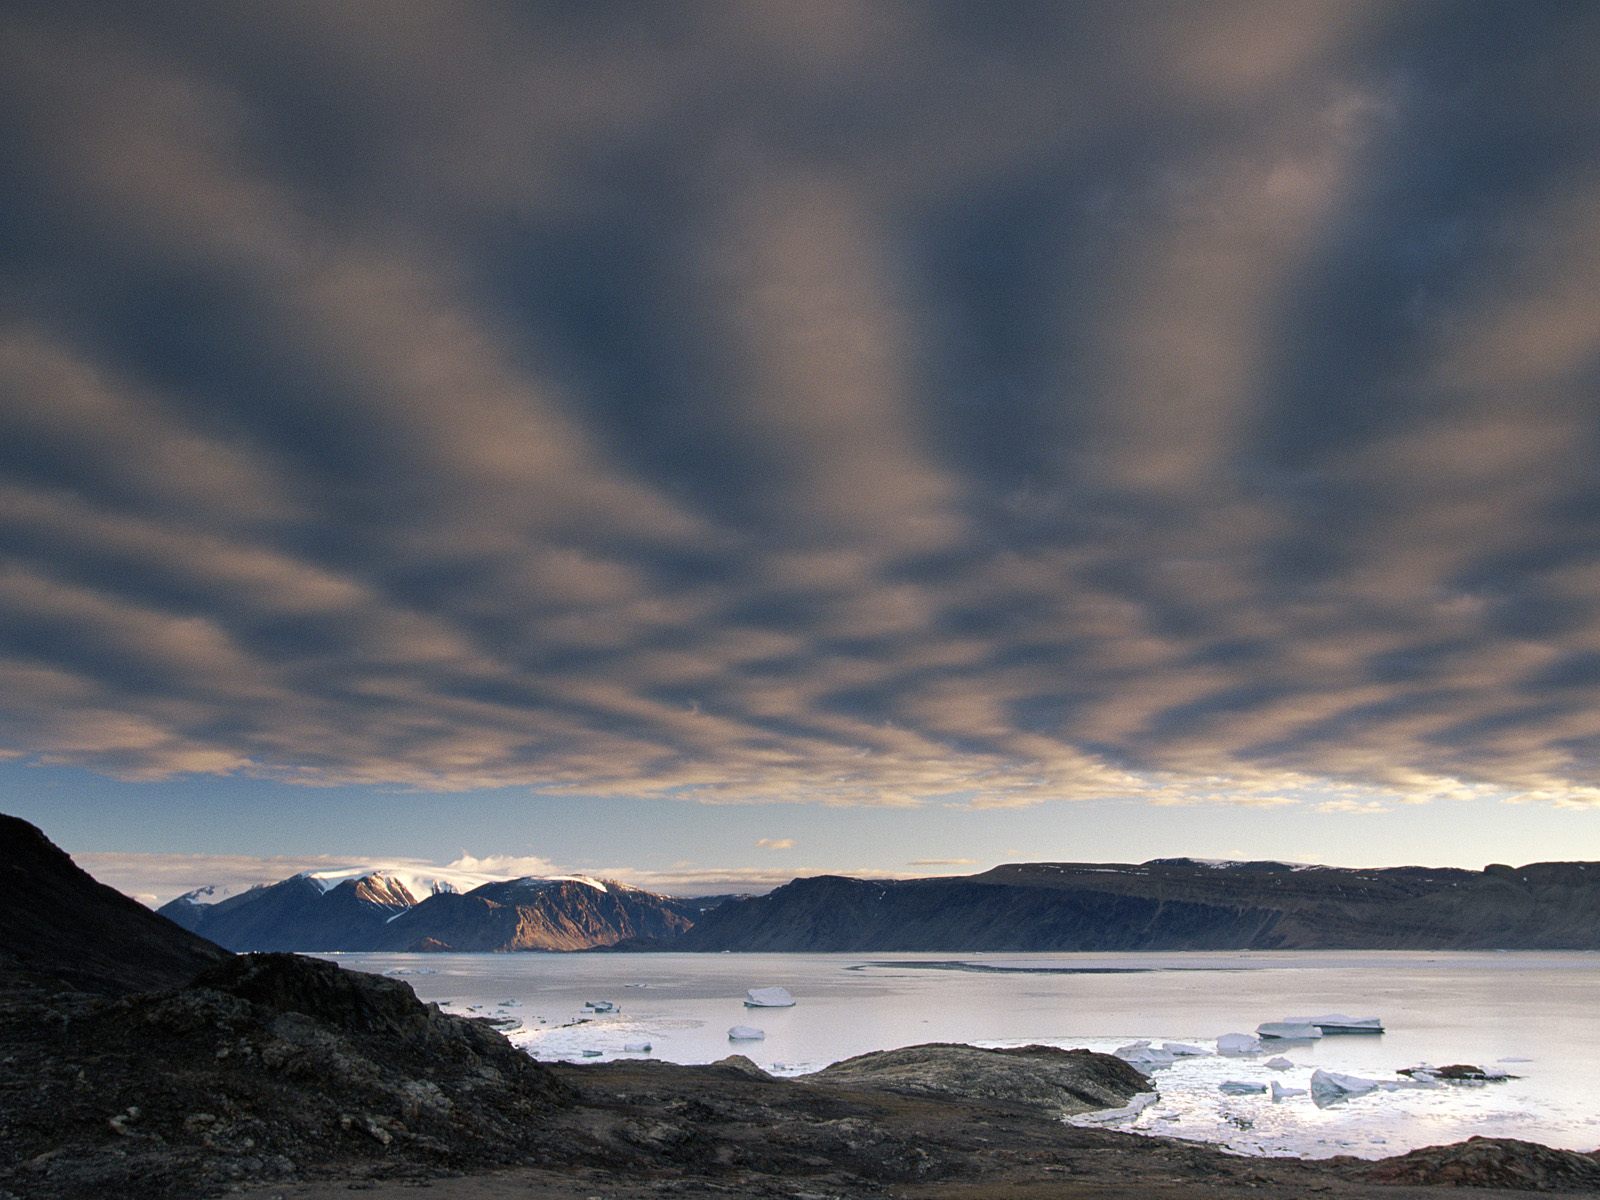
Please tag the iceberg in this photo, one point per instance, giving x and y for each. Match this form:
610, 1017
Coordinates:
1184, 1050
1280, 1063
768, 997
1241, 1087
1337, 1023
746, 1033
1330, 1087
1279, 1092
600, 1006
637, 1048
1238, 1043
1289, 1031
1145, 1057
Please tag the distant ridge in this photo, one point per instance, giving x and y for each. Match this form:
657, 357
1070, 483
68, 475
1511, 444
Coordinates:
1164, 904
1171, 904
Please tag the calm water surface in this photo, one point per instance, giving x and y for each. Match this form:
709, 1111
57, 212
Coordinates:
1485, 1009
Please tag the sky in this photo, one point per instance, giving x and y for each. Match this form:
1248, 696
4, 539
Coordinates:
714, 442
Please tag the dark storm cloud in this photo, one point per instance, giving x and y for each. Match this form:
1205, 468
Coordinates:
854, 402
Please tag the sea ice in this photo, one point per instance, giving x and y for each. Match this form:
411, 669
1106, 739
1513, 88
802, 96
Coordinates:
1185, 1050
745, 1033
1238, 1043
1279, 1092
1108, 1116
1280, 1063
1289, 1031
1329, 1087
768, 997
1339, 1023
600, 1006
1241, 1087
637, 1048
1144, 1056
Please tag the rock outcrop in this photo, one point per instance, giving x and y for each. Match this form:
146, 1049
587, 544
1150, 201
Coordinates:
1492, 1163
1042, 1078
264, 1066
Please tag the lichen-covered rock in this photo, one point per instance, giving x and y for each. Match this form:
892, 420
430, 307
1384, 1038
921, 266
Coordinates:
1493, 1163
1051, 1081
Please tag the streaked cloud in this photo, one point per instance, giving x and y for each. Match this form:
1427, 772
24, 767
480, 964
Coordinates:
775, 843
845, 404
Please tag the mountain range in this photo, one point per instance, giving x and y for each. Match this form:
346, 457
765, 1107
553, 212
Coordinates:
1164, 904
400, 910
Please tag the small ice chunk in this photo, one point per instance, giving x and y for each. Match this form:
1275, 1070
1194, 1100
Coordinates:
1292, 1031
1279, 1092
637, 1048
600, 1006
1280, 1063
592, 1053
745, 1033
1241, 1087
1238, 1043
1184, 1050
1329, 1087
768, 997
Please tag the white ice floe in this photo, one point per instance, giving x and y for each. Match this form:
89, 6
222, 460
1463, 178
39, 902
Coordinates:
1335, 1023
1144, 1056
1110, 1116
1280, 1063
1185, 1050
1238, 1044
1328, 1087
1289, 1031
1279, 1092
745, 1033
636, 1048
1241, 1087
768, 997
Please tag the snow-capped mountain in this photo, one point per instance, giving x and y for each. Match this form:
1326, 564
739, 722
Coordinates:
408, 909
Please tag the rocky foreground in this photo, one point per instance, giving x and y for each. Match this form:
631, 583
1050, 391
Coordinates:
282, 1076
140, 1062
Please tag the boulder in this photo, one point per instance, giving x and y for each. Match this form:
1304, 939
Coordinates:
1050, 1081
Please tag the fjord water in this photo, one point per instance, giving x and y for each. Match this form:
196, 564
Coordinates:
1481, 1008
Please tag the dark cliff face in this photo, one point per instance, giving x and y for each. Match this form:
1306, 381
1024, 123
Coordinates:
58, 927
1171, 905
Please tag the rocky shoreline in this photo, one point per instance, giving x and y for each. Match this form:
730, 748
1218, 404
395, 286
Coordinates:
280, 1076
140, 1062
